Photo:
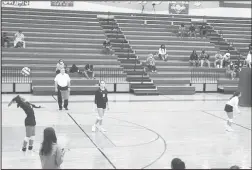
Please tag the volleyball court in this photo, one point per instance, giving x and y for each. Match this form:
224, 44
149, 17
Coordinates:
142, 132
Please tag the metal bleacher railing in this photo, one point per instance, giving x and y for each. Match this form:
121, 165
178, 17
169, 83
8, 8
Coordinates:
200, 76
14, 75
112, 75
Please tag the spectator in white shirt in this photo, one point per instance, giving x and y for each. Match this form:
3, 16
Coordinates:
19, 40
62, 87
59, 66
162, 53
218, 59
248, 59
150, 62
226, 59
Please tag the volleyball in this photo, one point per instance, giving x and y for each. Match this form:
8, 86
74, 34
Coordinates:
26, 71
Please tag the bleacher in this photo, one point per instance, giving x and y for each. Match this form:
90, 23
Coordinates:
53, 35
140, 82
173, 76
237, 32
76, 37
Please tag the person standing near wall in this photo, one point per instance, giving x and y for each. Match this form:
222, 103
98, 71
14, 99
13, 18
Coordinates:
62, 87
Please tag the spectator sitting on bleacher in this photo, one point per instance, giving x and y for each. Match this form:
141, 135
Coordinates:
231, 70
226, 59
204, 58
162, 53
181, 30
60, 65
155, 55
19, 40
248, 60
75, 69
89, 71
218, 60
194, 59
5, 40
107, 46
150, 62
203, 30
192, 30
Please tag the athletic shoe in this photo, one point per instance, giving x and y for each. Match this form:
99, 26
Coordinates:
93, 128
30, 147
23, 149
66, 108
229, 129
60, 108
102, 129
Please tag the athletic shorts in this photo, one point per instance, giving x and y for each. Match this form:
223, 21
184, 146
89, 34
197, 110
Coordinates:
101, 106
228, 108
30, 131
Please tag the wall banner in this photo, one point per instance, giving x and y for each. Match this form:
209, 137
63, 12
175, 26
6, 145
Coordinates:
62, 3
178, 7
16, 3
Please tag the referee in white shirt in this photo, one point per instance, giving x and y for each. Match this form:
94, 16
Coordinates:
62, 87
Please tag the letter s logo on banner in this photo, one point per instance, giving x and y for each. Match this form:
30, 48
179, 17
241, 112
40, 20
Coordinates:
179, 7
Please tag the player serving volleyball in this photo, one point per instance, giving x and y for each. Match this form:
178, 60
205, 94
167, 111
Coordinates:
30, 121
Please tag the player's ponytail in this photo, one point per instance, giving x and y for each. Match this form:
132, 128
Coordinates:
237, 93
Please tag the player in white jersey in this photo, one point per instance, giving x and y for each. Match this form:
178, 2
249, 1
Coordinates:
230, 107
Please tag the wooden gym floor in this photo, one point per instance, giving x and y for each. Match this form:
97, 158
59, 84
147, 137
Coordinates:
142, 132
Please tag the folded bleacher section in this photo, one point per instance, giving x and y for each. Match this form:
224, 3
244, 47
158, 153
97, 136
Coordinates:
50, 35
77, 36
236, 31
140, 82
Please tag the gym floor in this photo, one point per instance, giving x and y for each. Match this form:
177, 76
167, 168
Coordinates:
142, 132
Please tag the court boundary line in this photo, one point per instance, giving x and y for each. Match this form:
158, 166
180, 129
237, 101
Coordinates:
225, 120
131, 101
165, 145
108, 139
105, 156
134, 145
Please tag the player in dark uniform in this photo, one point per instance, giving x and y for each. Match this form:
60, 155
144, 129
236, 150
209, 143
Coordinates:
101, 103
30, 121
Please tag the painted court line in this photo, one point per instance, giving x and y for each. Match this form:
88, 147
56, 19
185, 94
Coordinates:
131, 101
160, 137
225, 120
105, 156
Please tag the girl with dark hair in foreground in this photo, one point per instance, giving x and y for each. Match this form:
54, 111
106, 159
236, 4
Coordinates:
30, 121
51, 155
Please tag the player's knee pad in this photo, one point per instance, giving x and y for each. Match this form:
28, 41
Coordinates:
26, 139
230, 120
99, 118
32, 138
